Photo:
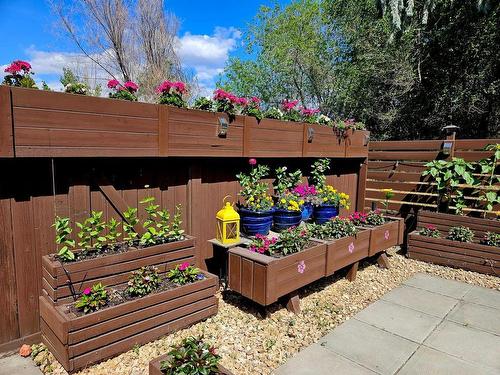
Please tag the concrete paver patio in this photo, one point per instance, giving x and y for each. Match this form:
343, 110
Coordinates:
427, 326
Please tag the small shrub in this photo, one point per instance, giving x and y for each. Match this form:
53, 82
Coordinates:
19, 74
203, 103
333, 229
491, 239
184, 274
63, 232
143, 281
90, 233
92, 299
291, 241
430, 231
171, 93
113, 233
191, 357
375, 218
127, 91
461, 234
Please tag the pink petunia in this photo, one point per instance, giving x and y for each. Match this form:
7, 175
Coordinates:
113, 83
184, 266
252, 161
131, 86
87, 291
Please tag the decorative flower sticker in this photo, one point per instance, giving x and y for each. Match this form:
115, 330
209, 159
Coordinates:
351, 247
301, 267
386, 235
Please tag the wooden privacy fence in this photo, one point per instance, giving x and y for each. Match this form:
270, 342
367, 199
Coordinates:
398, 165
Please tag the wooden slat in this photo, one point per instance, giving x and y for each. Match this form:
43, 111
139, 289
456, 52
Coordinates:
6, 129
402, 155
434, 145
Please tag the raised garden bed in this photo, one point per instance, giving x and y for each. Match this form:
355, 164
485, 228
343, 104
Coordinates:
273, 138
193, 132
154, 366
384, 236
78, 341
263, 279
60, 280
322, 141
357, 143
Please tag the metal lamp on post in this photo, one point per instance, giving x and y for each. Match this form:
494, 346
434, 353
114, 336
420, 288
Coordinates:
451, 133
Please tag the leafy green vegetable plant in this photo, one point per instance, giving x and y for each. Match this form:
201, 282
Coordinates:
461, 234
92, 299
63, 232
143, 281
184, 274
191, 357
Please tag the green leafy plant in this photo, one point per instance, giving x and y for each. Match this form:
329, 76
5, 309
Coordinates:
286, 181
184, 274
113, 233
128, 226
273, 113
63, 232
375, 218
191, 357
489, 191
253, 108
491, 239
203, 103
430, 231
461, 234
318, 173
143, 281
255, 191
152, 232
333, 229
291, 241
448, 175
92, 299
176, 232
90, 233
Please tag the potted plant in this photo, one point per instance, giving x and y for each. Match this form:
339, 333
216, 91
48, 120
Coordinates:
273, 267
91, 255
106, 321
256, 211
329, 199
192, 356
346, 244
308, 194
288, 206
127, 91
19, 74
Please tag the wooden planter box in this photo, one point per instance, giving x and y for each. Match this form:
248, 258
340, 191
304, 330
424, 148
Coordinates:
59, 278
273, 138
192, 132
469, 256
154, 366
346, 251
264, 279
322, 141
78, 341
52, 124
357, 143
387, 235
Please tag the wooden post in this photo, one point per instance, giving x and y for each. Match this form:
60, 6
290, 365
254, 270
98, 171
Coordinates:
351, 275
6, 123
361, 190
293, 303
383, 261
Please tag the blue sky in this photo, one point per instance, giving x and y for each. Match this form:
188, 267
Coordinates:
210, 32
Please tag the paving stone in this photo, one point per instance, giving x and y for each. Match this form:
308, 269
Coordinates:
400, 320
317, 360
369, 346
477, 316
483, 296
467, 343
421, 300
432, 362
17, 365
450, 288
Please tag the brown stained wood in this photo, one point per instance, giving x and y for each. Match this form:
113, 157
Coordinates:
346, 251
6, 125
383, 261
234, 272
357, 143
163, 130
361, 188
293, 303
353, 270
385, 236
247, 273
322, 141
419, 145
402, 155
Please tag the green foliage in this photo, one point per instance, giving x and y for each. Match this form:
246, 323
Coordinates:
491, 239
123, 95
333, 229
291, 241
128, 227
90, 233
45, 87
149, 237
204, 103
430, 231
286, 181
318, 172
489, 166
191, 357
461, 234
71, 83
63, 232
255, 191
172, 98
143, 281
176, 232
184, 273
92, 299
159, 227
375, 218
113, 233
273, 113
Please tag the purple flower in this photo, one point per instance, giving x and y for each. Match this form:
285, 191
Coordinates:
301, 267
200, 276
87, 291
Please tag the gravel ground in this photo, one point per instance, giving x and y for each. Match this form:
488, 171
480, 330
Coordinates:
249, 343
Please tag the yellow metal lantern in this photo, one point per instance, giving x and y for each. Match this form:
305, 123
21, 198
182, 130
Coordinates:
228, 225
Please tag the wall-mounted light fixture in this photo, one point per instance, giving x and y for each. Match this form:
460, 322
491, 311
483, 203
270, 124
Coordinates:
223, 126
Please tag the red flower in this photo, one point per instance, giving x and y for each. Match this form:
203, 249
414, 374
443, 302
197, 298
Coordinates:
255, 100
252, 161
131, 86
242, 101
13, 68
164, 87
113, 83
180, 87
289, 105
26, 66
87, 291
184, 266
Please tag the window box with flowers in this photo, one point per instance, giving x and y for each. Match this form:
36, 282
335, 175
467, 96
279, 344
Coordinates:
320, 137
346, 244
356, 138
106, 321
386, 231
274, 267
89, 256
470, 243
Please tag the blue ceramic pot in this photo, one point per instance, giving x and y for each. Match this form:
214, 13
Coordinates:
307, 211
321, 214
284, 219
255, 222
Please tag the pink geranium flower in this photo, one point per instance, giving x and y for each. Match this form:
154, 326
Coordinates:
242, 101
184, 266
113, 83
289, 105
13, 68
131, 86
180, 87
252, 161
87, 291
24, 65
309, 112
